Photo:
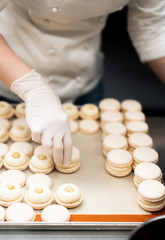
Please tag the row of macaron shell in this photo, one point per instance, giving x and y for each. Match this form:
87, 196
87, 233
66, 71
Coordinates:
40, 195
40, 162
111, 104
22, 212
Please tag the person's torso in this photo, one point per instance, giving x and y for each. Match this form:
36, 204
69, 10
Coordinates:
60, 39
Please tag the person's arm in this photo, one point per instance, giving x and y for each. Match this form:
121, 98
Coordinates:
146, 27
158, 67
45, 116
11, 66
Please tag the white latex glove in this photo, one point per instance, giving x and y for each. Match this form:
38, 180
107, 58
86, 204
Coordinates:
45, 116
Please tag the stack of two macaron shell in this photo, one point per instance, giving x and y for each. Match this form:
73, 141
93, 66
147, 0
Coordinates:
110, 116
89, 111
74, 165
131, 116
151, 195
136, 140
16, 160
68, 195
144, 155
114, 141
71, 110
136, 127
131, 105
109, 104
119, 163
114, 128
145, 171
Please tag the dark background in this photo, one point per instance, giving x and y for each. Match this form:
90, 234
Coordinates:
125, 76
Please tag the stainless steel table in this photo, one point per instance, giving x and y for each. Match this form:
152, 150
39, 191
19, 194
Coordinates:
97, 231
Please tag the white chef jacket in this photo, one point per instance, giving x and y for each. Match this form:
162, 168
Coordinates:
61, 38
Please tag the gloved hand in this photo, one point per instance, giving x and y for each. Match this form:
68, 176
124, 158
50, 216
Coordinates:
45, 116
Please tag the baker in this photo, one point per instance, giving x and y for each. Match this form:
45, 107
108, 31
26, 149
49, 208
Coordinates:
50, 50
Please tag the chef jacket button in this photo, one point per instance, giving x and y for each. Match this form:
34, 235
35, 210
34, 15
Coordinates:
51, 51
54, 9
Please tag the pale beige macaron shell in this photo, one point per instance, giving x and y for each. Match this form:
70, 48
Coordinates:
145, 154
88, 126
65, 198
4, 135
114, 141
6, 110
71, 110
14, 197
119, 163
39, 178
111, 116
151, 195
43, 150
74, 165
140, 140
13, 176
20, 110
3, 149
134, 116
55, 214
109, 104
137, 126
89, 111
25, 147
147, 171
16, 160
35, 196
2, 214
41, 163
5, 123
20, 212
119, 157
115, 128
131, 105
19, 121
73, 126
20, 133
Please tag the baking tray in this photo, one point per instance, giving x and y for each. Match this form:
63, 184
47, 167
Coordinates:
109, 202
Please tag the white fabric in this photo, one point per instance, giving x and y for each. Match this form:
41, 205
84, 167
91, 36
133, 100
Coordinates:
45, 116
61, 39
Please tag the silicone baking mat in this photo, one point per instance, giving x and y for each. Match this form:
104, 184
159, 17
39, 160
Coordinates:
106, 198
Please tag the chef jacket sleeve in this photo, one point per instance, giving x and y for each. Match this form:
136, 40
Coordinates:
146, 27
3, 4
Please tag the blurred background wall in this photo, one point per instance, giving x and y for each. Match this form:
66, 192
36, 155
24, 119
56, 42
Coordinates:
125, 76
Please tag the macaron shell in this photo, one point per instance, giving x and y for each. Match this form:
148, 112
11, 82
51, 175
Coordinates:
20, 212
55, 213
152, 190
109, 104
13, 176
148, 171
145, 154
119, 157
25, 147
115, 141
88, 126
39, 178
140, 140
